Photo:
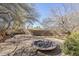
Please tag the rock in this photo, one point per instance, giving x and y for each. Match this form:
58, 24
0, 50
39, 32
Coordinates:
24, 49
22, 45
19, 38
6, 48
55, 52
18, 45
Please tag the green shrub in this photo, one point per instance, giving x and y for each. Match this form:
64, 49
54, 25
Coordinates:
71, 45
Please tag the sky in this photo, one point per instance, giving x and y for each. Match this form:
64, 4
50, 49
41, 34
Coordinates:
44, 10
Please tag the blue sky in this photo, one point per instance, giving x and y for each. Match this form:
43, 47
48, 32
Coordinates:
44, 10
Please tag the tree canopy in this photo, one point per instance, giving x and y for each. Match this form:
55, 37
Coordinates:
18, 14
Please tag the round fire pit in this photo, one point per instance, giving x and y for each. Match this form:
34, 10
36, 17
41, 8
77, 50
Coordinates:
44, 44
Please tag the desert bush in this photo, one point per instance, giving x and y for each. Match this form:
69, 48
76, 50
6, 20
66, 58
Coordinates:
40, 32
13, 17
71, 45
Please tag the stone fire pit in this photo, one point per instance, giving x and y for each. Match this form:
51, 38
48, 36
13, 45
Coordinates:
44, 44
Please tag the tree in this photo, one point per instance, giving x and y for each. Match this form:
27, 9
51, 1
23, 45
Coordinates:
20, 14
13, 17
65, 18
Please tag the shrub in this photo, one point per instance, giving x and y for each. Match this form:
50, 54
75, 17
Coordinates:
71, 45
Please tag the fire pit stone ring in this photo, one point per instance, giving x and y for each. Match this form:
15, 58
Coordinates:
44, 44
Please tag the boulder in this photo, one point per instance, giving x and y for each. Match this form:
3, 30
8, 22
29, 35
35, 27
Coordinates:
22, 45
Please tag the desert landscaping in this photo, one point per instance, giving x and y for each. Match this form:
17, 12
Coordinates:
25, 31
